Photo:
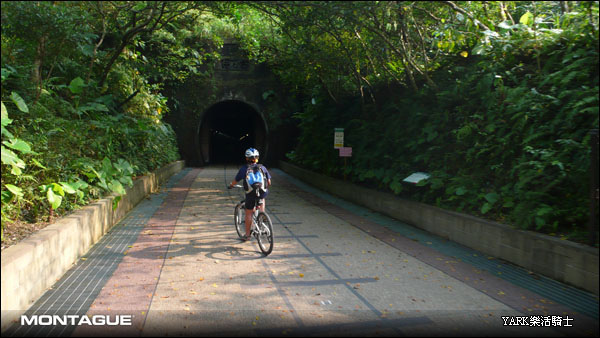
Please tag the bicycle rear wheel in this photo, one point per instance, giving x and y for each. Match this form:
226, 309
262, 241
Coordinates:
238, 219
265, 233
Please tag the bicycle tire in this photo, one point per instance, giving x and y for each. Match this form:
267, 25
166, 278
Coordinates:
265, 234
239, 215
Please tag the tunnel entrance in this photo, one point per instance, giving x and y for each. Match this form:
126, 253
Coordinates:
227, 129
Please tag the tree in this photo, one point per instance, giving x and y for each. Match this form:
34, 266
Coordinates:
133, 18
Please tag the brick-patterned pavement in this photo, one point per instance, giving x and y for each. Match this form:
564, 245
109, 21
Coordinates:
176, 266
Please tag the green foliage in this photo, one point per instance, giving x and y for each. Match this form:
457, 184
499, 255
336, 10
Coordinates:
65, 140
505, 135
66, 165
493, 99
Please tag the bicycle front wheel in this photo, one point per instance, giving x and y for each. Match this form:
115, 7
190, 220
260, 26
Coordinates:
238, 219
265, 233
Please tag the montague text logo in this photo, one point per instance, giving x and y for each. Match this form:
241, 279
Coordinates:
77, 320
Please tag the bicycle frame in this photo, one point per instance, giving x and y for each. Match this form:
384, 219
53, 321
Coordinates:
261, 227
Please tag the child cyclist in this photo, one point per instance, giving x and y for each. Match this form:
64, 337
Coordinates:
252, 163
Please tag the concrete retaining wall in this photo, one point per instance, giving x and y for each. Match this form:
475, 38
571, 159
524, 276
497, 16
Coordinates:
30, 267
565, 261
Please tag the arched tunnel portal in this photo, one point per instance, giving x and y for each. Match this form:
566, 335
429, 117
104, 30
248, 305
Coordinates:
227, 129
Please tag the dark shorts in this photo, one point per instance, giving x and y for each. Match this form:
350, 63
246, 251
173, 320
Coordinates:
251, 198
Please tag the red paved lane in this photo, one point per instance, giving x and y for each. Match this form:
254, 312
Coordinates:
131, 287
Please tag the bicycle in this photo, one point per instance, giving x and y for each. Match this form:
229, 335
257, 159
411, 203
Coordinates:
262, 227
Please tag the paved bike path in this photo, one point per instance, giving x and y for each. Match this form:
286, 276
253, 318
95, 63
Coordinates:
181, 270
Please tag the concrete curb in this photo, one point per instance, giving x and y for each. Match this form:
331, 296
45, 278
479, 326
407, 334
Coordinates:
36, 263
565, 261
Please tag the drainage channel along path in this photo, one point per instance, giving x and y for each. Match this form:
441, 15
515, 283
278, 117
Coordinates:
332, 272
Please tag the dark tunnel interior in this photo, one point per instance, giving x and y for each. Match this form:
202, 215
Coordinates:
227, 130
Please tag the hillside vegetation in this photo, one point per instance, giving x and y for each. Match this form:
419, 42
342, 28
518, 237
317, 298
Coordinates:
495, 100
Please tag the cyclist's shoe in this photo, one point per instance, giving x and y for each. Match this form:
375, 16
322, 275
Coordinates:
245, 238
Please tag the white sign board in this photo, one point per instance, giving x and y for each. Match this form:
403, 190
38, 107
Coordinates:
416, 177
338, 138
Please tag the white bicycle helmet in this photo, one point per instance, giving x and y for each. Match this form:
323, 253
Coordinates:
251, 152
